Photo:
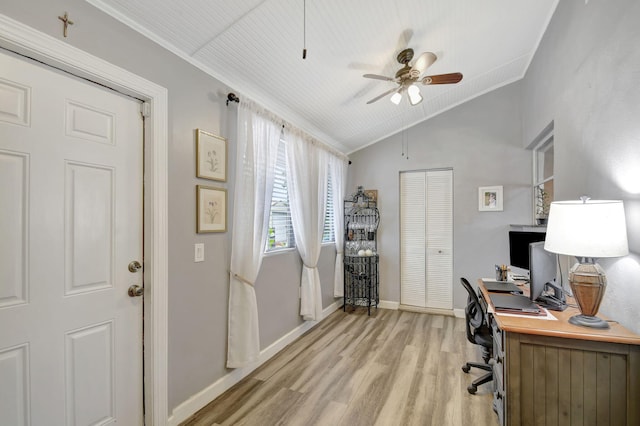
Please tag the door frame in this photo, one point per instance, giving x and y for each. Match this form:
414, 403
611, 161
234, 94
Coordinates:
25, 40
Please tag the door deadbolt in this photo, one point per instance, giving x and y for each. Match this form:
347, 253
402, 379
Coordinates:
135, 291
134, 266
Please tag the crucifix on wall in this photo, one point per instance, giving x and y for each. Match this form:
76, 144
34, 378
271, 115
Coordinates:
66, 22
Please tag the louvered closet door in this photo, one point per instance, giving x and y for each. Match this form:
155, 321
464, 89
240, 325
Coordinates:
426, 238
439, 238
413, 249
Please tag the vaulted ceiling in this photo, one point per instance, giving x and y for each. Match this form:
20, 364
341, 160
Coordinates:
255, 47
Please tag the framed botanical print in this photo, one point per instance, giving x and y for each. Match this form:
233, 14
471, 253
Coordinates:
211, 156
211, 209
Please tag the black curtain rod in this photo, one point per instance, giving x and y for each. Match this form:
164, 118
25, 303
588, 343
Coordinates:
231, 97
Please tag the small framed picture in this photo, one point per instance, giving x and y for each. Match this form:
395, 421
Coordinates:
211, 156
372, 194
211, 211
490, 198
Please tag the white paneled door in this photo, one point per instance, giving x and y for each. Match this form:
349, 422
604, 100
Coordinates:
71, 157
426, 239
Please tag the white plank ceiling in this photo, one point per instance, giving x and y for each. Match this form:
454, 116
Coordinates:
255, 48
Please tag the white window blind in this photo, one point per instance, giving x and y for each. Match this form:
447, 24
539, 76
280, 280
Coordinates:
280, 231
329, 232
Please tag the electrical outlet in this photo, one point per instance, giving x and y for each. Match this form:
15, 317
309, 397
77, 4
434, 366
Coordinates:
199, 253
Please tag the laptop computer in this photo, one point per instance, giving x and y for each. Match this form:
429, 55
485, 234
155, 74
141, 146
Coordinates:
513, 303
501, 286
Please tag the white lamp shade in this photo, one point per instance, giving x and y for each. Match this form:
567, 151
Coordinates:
415, 99
414, 94
595, 228
396, 98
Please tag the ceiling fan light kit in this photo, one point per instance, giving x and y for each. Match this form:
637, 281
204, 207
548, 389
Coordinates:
408, 76
396, 98
414, 95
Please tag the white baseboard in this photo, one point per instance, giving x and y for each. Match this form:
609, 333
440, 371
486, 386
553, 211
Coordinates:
434, 311
459, 313
191, 406
387, 304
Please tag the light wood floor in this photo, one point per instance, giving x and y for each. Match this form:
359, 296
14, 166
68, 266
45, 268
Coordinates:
392, 368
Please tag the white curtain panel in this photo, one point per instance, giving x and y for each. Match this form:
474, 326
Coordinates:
338, 167
307, 166
257, 144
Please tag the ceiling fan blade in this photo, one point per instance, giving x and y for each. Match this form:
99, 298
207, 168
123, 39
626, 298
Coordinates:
378, 77
451, 78
423, 62
395, 89
404, 39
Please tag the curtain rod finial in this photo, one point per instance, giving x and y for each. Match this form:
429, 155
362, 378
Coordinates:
231, 97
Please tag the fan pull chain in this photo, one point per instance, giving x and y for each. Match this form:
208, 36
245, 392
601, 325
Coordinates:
406, 126
404, 138
304, 29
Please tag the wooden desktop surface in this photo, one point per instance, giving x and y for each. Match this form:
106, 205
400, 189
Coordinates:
561, 328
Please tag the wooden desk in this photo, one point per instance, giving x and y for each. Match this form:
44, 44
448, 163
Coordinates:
554, 373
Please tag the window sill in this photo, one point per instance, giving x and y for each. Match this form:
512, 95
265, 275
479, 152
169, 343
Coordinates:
280, 251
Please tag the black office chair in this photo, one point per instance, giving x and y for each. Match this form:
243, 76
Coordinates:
479, 333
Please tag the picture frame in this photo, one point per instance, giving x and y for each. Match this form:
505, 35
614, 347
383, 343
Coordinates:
211, 211
490, 199
211, 156
372, 194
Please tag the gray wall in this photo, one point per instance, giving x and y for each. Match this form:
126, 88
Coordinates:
481, 140
198, 292
585, 77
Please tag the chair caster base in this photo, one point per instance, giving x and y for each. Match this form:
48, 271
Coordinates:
466, 368
472, 389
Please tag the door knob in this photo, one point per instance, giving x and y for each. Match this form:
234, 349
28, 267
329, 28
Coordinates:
135, 291
134, 266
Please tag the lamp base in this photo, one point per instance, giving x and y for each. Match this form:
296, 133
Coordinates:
588, 283
589, 321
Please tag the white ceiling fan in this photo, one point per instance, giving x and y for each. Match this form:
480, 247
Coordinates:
409, 76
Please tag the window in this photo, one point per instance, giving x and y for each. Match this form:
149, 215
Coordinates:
329, 232
280, 231
543, 179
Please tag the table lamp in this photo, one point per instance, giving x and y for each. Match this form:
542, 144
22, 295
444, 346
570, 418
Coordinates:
587, 229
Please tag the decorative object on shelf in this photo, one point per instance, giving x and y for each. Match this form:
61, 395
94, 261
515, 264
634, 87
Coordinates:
361, 219
543, 203
211, 156
587, 229
211, 209
372, 194
490, 198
